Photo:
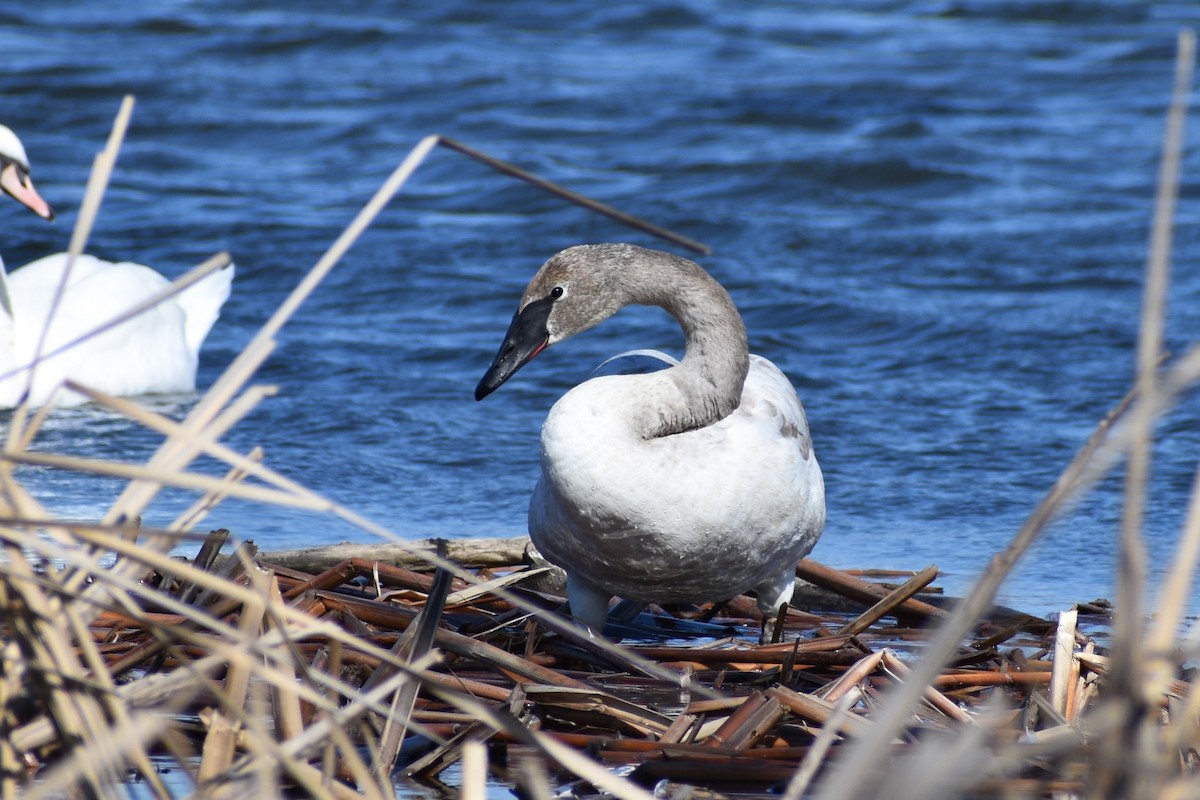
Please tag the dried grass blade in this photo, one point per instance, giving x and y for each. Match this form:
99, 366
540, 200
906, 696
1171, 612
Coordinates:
1174, 597
135, 750
1132, 768
163, 477
75, 775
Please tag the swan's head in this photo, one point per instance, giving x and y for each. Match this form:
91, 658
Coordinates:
576, 289
14, 175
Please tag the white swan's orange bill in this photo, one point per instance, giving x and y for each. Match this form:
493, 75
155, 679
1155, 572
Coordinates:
17, 184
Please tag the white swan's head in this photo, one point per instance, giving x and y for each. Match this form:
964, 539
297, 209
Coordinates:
14, 175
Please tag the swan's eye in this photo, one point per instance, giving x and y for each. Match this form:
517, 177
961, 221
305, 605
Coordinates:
557, 292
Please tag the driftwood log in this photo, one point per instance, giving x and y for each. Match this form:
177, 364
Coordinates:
470, 553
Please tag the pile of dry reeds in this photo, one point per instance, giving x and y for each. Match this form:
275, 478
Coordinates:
350, 675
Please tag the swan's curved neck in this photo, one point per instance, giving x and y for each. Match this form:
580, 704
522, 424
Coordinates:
707, 384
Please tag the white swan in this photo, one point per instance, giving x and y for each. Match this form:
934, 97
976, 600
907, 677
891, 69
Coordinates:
693, 482
154, 352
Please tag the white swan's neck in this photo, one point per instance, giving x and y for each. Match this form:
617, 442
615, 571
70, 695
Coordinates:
707, 384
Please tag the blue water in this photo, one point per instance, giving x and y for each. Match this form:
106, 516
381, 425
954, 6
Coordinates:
933, 216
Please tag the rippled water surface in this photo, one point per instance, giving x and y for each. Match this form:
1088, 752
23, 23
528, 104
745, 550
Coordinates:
933, 216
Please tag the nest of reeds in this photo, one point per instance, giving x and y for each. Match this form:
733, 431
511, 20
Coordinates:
359, 673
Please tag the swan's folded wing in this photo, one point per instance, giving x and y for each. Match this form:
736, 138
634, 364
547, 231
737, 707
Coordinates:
770, 399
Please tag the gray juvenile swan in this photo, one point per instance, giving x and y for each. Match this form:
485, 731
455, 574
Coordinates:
691, 483
156, 351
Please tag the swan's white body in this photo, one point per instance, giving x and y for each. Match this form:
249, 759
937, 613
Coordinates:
154, 352
677, 482
700, 515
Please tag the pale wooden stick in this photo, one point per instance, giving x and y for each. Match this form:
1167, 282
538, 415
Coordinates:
1064, 656
284, 698
218, 749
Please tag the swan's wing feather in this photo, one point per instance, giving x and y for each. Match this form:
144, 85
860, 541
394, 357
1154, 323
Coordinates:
202, 302
634, 362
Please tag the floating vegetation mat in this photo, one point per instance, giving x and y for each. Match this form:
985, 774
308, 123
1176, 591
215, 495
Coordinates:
295, 672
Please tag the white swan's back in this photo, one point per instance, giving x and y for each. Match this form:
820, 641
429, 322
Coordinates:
155, 352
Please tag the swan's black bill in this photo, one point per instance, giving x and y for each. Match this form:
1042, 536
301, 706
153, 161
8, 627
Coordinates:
527, 336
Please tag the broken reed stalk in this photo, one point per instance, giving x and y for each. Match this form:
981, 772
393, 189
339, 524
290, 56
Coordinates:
807, 770
628, 220
413, 644
888, 604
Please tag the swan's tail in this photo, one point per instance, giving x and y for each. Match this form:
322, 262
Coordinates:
202, 303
